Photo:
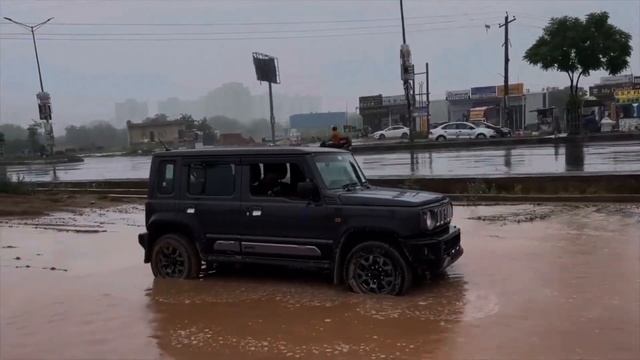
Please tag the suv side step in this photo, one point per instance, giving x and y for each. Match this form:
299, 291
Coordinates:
302, 263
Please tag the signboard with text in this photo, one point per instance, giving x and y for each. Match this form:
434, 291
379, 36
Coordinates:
618, 79
458, 95
483, 92
514, 89
370, 101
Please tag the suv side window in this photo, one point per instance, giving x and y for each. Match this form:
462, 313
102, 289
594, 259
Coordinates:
211, 179
166, 178
276, 179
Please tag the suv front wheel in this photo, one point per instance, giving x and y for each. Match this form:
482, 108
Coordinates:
174, 256
376, 268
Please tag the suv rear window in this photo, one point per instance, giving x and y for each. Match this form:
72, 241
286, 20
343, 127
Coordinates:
166, 178
211, 179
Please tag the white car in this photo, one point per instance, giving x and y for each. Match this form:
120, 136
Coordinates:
396, 131
460, 130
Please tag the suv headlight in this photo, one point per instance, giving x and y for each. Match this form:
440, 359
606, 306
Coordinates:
428, 218
437, 216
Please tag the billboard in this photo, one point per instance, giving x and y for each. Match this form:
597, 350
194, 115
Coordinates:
514, 90
618, 79
483, 92
458, 95
266, 68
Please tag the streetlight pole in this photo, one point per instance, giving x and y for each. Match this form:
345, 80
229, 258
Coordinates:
44, 100
33, 29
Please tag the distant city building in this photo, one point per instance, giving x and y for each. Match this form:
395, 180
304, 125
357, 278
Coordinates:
130, 109
318, 124
153, 132
234, 100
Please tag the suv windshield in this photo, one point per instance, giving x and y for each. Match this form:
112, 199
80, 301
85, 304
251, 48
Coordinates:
340, 171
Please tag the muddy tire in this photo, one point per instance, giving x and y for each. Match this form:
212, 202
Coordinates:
381, 137
377, 268
404, 136
174, 256
441, 138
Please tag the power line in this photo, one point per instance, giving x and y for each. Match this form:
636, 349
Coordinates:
245, 32
249, 23
479, 26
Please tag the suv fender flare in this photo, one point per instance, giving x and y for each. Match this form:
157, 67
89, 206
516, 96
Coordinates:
339, 249
165, 223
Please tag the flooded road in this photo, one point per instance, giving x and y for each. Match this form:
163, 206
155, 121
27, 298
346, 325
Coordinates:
556, 281
612, 157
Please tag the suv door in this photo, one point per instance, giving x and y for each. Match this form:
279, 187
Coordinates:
212, 194
279, 224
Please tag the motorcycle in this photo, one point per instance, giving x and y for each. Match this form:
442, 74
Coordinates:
344, 143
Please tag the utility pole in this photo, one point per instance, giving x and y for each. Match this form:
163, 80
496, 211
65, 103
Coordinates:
426, 75
506, 68
44, 99
272, 119
407, 75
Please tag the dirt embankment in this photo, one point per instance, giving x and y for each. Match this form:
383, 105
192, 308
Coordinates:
44, 203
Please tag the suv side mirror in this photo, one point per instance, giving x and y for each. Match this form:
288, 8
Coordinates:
308, 191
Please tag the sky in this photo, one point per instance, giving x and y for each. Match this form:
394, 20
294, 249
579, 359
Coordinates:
98, 52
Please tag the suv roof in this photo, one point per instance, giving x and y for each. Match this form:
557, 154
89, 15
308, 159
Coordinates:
255, 150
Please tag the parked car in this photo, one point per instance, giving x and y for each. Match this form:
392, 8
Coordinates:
292, 206
460, 130
500, 131
396, 131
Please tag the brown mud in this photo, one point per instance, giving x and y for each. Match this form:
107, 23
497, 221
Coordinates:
565, 285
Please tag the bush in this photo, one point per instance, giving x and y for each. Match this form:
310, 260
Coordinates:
18, 187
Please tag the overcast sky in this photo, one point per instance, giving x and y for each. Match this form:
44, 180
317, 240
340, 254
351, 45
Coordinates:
336, 49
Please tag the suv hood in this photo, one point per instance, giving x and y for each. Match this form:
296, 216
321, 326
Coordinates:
389, 197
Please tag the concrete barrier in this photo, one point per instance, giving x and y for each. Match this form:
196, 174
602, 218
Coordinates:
615, 188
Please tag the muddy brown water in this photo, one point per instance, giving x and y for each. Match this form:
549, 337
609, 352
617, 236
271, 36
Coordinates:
562, 284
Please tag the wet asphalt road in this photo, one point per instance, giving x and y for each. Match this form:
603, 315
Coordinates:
612, 157
535, 282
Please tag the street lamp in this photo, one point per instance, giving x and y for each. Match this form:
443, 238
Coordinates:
44, 100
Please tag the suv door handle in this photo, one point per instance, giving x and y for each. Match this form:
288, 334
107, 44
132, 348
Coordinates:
254, 211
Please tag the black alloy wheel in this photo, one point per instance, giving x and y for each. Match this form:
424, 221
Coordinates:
377, 268
175, 257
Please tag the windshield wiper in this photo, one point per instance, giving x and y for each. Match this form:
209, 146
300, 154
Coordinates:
350, 186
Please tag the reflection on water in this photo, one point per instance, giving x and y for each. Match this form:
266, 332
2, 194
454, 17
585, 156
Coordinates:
285, 314
574, 156
535, 159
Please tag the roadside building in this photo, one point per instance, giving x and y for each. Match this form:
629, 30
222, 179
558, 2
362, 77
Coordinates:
379, 112
620, 99
172, 133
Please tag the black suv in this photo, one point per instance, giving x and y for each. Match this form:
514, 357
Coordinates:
305, 207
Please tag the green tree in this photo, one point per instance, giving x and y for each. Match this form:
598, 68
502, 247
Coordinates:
13, 132
578, 47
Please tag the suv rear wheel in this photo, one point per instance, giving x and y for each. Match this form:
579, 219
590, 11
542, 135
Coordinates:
376, 268
174, 256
